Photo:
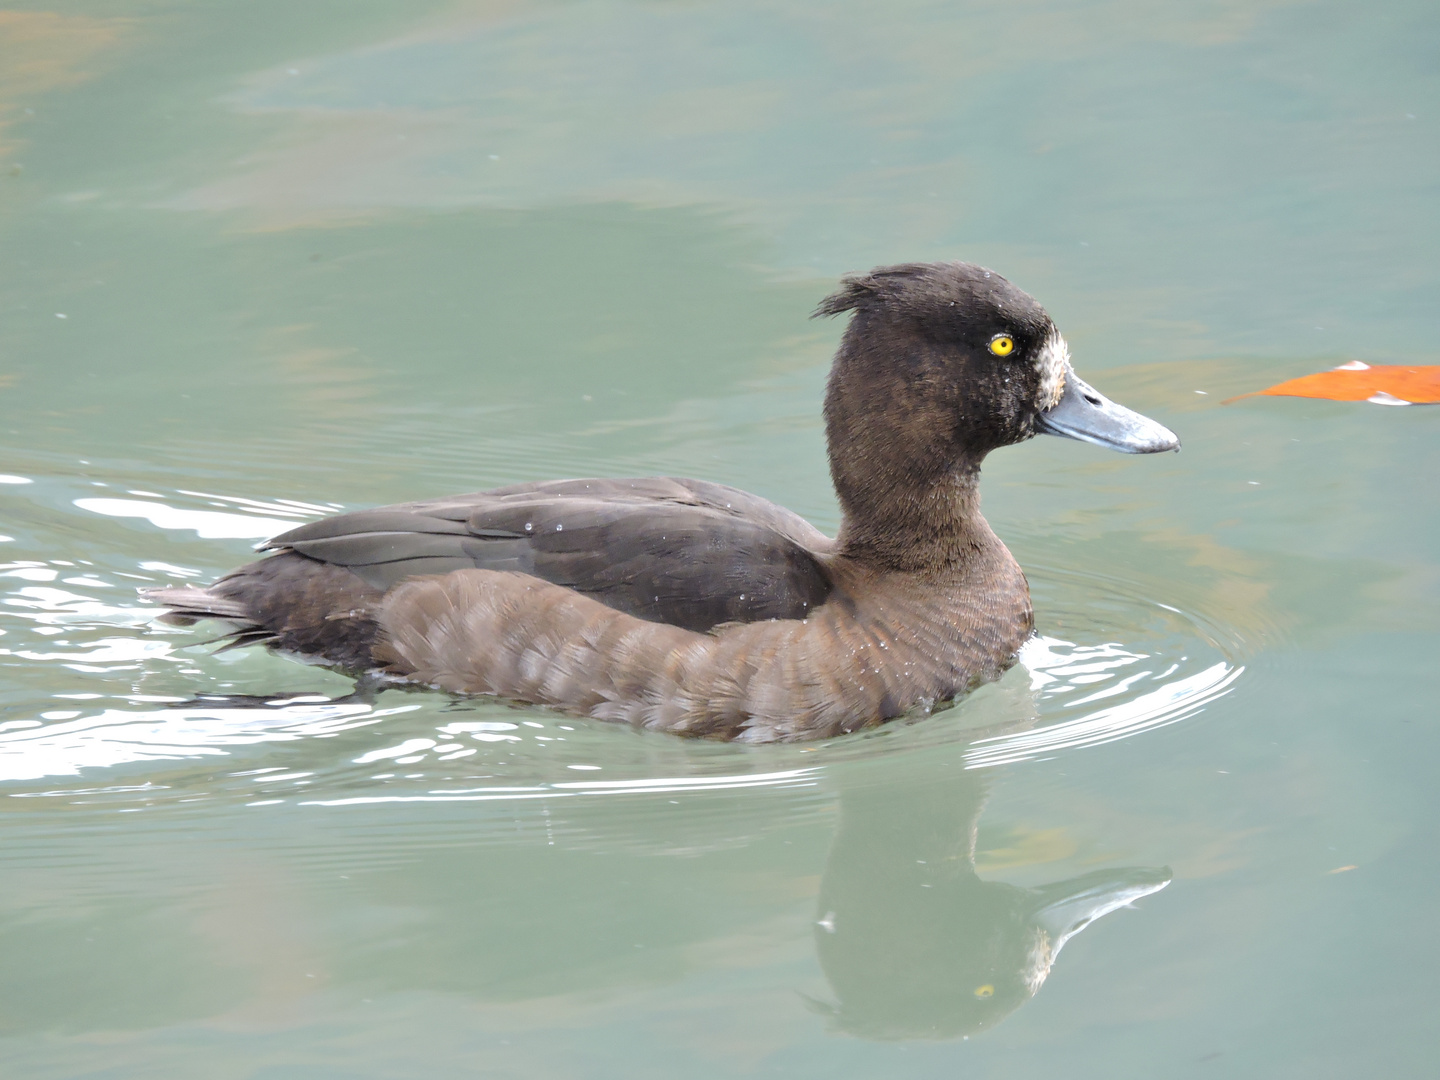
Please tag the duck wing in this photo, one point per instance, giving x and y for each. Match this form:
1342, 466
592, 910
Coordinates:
682, 552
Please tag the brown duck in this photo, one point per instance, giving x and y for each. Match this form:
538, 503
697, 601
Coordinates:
696, 608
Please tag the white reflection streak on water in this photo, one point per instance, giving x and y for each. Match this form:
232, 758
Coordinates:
1172, 702
117, 737
652, 786
104, 651
208, 524
53, 606
1050, 659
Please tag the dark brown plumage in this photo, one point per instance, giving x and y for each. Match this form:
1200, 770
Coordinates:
697, 608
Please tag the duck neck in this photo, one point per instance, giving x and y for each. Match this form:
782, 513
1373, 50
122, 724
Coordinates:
907, 481
926, 526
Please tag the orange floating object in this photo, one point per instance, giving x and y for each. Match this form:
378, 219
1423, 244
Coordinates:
1357, 381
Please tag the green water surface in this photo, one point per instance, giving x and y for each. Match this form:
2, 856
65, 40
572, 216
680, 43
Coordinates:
263, 260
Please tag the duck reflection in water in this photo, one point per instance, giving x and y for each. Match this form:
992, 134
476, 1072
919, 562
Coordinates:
914, 943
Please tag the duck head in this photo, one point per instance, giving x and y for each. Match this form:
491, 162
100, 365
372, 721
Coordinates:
942, 363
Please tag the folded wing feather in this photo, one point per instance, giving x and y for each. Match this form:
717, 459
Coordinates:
681, 552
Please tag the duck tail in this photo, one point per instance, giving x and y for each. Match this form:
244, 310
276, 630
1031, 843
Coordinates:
288, 602
188, 604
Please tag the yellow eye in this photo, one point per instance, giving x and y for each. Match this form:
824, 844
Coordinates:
1002, 344
987, 990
